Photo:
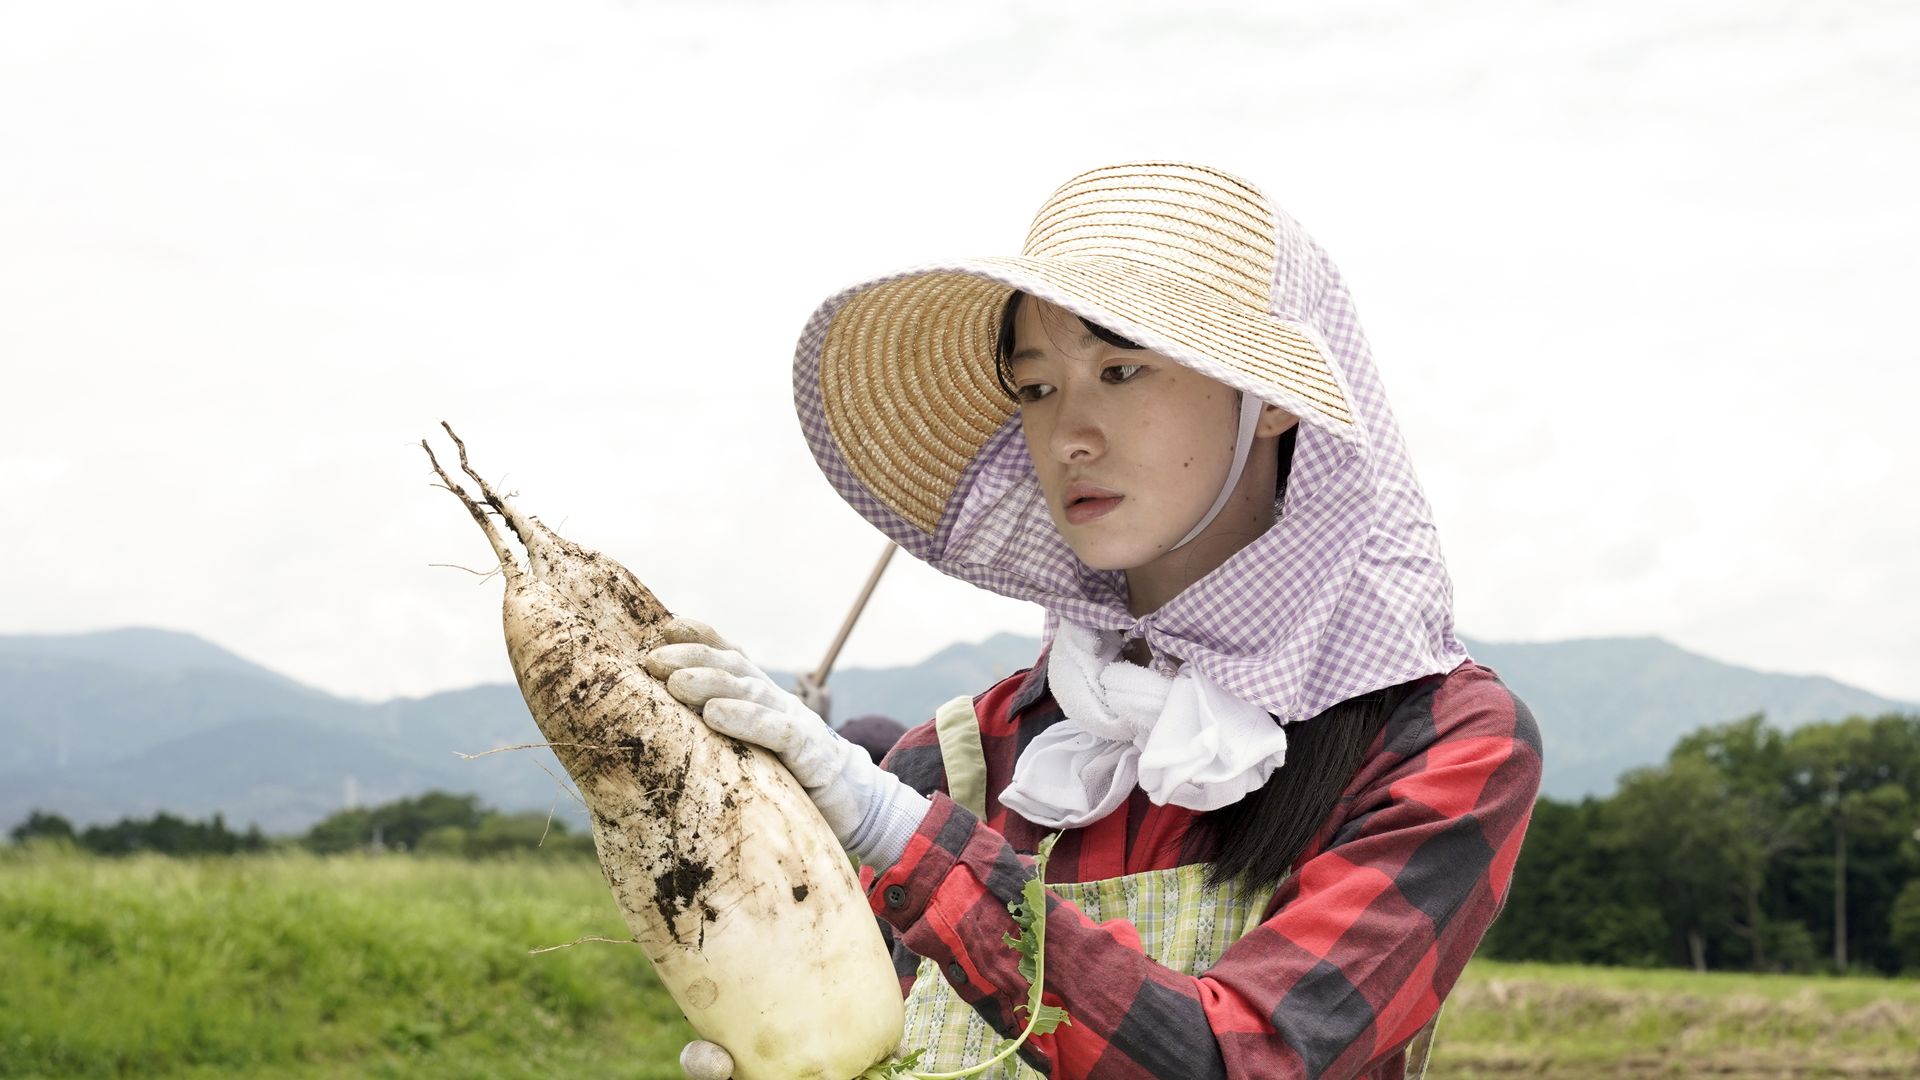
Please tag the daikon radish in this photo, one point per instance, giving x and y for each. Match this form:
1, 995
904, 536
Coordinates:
725, 872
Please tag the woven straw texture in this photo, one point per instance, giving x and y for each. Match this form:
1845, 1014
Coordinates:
1177, 258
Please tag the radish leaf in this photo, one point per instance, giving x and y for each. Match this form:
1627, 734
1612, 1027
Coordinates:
1029, 911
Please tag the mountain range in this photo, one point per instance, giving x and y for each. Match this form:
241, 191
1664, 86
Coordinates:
130, 722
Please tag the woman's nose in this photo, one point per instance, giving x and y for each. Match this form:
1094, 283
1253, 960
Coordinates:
1077, 433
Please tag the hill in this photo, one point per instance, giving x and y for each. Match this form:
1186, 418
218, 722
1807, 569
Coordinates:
130, 722
1606, 705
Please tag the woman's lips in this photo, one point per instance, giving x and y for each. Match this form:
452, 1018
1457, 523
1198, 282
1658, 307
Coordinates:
1086, 510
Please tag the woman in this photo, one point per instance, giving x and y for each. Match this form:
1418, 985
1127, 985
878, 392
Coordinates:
1289, 803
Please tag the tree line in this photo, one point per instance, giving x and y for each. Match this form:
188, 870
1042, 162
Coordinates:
162, 834
439, 823
436, 823
1749, 848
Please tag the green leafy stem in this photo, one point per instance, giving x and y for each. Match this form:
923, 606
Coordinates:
1029, 911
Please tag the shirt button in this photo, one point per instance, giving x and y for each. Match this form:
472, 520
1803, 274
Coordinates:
896, 896
956, 974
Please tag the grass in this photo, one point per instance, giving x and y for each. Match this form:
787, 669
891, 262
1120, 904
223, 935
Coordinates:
1573, 1023
297, 966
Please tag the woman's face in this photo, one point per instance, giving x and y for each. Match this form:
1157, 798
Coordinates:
1130, 448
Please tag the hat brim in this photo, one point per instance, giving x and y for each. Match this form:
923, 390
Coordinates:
905, 363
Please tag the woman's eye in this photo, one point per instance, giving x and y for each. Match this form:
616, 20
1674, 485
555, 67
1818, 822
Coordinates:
1032, 391
1124, 372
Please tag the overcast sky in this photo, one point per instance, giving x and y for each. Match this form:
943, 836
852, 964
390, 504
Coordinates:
1640, 279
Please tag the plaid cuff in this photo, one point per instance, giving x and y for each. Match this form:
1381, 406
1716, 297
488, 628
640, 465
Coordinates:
950, 887
900, 894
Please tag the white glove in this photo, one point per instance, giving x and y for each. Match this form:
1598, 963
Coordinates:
871, 812
701, 1060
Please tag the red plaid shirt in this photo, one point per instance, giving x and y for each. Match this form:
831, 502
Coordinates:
1357, 951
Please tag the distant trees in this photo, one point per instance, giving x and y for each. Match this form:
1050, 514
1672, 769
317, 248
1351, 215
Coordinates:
502, 834
163, 834
442, 824
1749, 848
399, 824
1855, 782
436, 823
39, 826
1906, 925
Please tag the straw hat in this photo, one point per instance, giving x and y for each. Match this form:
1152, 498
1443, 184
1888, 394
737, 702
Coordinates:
1188, 261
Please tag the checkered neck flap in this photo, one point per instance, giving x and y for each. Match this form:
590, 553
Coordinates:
1345, 594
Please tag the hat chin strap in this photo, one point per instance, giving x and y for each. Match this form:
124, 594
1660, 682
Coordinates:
1242, 447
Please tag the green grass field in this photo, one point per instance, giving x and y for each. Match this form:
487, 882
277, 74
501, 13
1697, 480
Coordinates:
294, 966
1574, 1023
299, 966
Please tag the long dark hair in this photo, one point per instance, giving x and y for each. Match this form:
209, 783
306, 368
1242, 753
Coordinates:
1258, 838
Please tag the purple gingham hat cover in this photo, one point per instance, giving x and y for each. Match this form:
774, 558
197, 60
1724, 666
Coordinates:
1345, 594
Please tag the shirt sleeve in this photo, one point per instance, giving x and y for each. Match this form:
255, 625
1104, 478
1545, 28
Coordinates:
1364, 941
915, 759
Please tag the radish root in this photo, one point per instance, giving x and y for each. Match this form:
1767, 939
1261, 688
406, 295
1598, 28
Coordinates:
724, 871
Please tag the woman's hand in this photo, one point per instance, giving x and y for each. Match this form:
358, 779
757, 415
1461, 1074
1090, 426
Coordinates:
870, 811
701, 1060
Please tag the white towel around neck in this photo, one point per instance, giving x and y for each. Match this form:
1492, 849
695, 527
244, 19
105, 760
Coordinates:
1181, 738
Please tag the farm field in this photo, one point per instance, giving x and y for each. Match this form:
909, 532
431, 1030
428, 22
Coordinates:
1561, 1022
299, 966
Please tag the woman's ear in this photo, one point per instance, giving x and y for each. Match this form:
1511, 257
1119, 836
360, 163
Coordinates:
1274, 422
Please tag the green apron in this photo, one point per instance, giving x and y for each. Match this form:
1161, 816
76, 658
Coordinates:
1184, 924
